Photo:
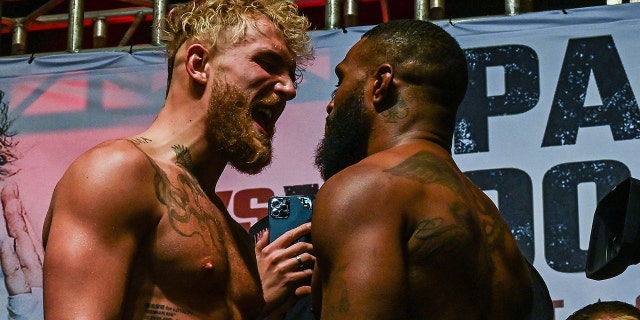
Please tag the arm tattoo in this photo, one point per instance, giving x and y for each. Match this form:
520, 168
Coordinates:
426, 168
396, 112
494, 231
441, 238
183, 156
427, 228
340, 298
140, 140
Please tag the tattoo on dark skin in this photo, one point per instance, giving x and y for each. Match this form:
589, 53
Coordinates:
495, 233
183, 156
342, 297
396, 112
426, 228
426, 168
140, 140
441, 238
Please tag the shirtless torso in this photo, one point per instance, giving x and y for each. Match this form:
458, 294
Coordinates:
135, 229
431, 244
399, 231
187, 258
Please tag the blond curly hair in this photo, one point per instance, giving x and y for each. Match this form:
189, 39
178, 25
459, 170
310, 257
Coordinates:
204, 21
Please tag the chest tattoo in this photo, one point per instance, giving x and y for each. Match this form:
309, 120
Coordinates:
188, 207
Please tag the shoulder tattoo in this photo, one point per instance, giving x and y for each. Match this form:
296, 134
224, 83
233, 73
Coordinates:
425, 168
444, 237
183, 200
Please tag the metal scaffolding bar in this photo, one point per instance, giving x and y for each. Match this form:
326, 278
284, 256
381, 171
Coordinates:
132, 28
335, 10
332, 14
76, 24
421, 10
55, 19
384, 8
159, 11
512, 7
350, 13
18, 39
436, 9
154, 10
40, 11
516, 7
100, 32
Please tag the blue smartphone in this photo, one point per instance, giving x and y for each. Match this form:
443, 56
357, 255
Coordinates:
288, 212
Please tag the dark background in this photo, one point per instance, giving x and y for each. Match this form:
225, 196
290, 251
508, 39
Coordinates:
53, 38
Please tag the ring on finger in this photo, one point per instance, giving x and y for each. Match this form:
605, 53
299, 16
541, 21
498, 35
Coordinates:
300, 263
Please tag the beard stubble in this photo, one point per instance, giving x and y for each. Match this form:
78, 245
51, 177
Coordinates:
230, 129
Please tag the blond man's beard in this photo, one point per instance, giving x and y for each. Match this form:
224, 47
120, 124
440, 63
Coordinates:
230, 129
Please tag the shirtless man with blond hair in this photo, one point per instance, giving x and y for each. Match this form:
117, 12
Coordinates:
135, 229
399, 232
